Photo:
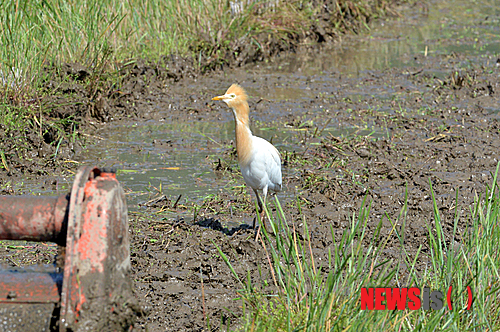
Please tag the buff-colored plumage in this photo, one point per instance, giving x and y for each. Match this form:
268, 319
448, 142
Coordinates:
259, 161
239, 91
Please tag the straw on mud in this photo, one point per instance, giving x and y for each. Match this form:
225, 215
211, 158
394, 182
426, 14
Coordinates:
324, 127
203, 296
269, 261
13, 262
4, 161
177, 201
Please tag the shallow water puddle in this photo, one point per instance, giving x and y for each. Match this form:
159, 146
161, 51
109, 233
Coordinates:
177, 159
155, 156
441, 27
174, 159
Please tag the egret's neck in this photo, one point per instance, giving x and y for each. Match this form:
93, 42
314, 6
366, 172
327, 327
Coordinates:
243, 136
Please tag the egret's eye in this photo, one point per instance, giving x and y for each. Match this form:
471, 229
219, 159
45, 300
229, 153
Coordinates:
232, 95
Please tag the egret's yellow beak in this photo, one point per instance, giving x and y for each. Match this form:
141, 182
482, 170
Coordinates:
218, 98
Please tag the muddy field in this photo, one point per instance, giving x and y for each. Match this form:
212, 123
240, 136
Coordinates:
434, 131
382, 135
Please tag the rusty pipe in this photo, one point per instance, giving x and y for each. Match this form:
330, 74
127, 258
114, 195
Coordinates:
34, 218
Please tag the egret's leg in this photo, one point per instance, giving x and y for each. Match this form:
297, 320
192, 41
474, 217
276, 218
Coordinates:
263, 215
262, 211
260, 207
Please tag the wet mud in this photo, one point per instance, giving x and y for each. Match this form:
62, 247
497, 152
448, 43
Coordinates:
391, 138
428, 135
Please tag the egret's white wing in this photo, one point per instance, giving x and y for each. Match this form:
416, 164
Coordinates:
264, 169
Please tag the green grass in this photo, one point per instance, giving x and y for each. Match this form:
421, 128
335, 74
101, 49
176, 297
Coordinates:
37, 37
36, 33
311, 297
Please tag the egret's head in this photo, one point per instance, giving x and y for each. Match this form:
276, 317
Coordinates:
234, 96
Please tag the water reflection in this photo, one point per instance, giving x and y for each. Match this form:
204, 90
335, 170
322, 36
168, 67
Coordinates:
442, 27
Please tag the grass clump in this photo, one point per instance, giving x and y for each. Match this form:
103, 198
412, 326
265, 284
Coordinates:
309, 296
35, 33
